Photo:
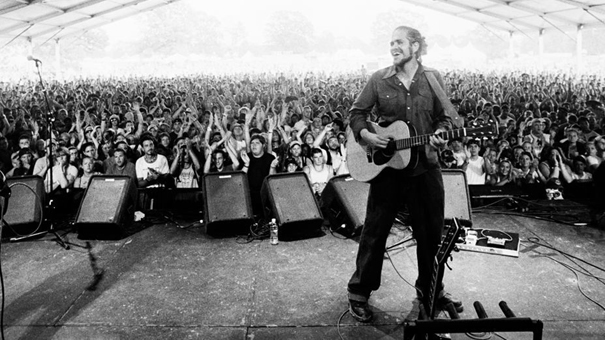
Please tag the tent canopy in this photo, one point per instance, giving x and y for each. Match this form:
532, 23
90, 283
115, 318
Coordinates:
46, 19
523, 15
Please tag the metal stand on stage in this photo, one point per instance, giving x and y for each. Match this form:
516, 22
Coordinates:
510, 323
50, 118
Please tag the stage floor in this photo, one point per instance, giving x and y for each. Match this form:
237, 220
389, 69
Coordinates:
166, 282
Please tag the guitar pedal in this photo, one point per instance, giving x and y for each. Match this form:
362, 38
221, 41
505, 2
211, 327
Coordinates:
494, 241
471, 237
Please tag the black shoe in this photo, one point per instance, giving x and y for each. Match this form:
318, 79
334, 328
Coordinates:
360, 311
448, 298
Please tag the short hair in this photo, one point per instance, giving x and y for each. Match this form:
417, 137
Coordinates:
579, 158
316, 150
259, 137
121, 142
217, 151
85, 145
528, 154
119, 150
146, 137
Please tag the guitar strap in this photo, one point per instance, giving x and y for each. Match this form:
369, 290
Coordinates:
450, 111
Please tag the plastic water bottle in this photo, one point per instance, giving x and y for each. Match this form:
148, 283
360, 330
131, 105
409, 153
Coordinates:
273, 229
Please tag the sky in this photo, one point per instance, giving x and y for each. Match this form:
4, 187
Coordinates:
342, 17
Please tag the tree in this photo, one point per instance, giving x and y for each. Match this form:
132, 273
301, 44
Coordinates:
179, 29
89, 43
384, 23
289, 31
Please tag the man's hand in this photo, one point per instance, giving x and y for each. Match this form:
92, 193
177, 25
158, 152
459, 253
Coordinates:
152, 175
245, 157
436, 140
374, 140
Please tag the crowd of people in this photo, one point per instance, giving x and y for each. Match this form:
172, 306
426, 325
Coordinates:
169, 132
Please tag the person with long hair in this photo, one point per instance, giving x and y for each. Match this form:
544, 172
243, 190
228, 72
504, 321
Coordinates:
402, 92
185, 167
504, 174
526, 171
592, 158
553, 167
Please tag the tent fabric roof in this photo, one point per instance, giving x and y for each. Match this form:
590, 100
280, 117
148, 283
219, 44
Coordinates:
46, 19
523, 15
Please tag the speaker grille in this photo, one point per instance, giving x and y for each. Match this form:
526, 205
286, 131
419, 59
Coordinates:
354, 194
103, 200
24, 207
227, 197
290, 199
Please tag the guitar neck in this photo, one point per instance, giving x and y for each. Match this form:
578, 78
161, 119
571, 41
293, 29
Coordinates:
406, 143
432, 288
446, 247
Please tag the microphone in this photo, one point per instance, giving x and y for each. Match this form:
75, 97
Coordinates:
30, 57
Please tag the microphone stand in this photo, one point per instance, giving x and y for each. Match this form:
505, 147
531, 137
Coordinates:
49, 121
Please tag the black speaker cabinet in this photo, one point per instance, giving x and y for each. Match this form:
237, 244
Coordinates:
457, 198
107, 207
344, 202
288, 198
228, 207
26, 204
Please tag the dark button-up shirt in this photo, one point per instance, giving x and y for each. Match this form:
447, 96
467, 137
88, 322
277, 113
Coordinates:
391, 100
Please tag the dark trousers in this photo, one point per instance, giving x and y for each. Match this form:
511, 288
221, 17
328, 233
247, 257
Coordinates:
424, 198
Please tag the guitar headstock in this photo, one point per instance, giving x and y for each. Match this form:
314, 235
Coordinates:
487, 129
448, 242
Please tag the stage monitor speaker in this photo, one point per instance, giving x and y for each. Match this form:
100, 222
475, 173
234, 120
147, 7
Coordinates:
344, 202
288, 198
228, 206
26, 204
107, 207
457, 198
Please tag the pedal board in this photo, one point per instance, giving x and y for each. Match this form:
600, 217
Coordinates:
491, 245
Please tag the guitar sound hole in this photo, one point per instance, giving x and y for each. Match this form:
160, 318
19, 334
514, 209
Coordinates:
383, 156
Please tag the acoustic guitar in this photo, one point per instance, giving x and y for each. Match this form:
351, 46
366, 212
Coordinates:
365, 162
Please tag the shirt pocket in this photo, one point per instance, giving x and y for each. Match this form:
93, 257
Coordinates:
424, 100
387, 101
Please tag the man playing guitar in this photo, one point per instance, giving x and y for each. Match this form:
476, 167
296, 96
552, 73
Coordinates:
401, 92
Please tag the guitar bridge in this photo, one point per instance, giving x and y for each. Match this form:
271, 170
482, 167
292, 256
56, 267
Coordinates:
369, 155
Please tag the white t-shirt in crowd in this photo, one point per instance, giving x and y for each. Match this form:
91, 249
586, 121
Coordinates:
475, 173
160, 165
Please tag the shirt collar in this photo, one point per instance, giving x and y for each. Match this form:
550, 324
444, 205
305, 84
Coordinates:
391, 71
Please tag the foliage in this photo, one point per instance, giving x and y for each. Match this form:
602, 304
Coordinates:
384, 24
289, 31
179, 29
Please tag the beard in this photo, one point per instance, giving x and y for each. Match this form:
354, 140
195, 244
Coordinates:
405, 60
